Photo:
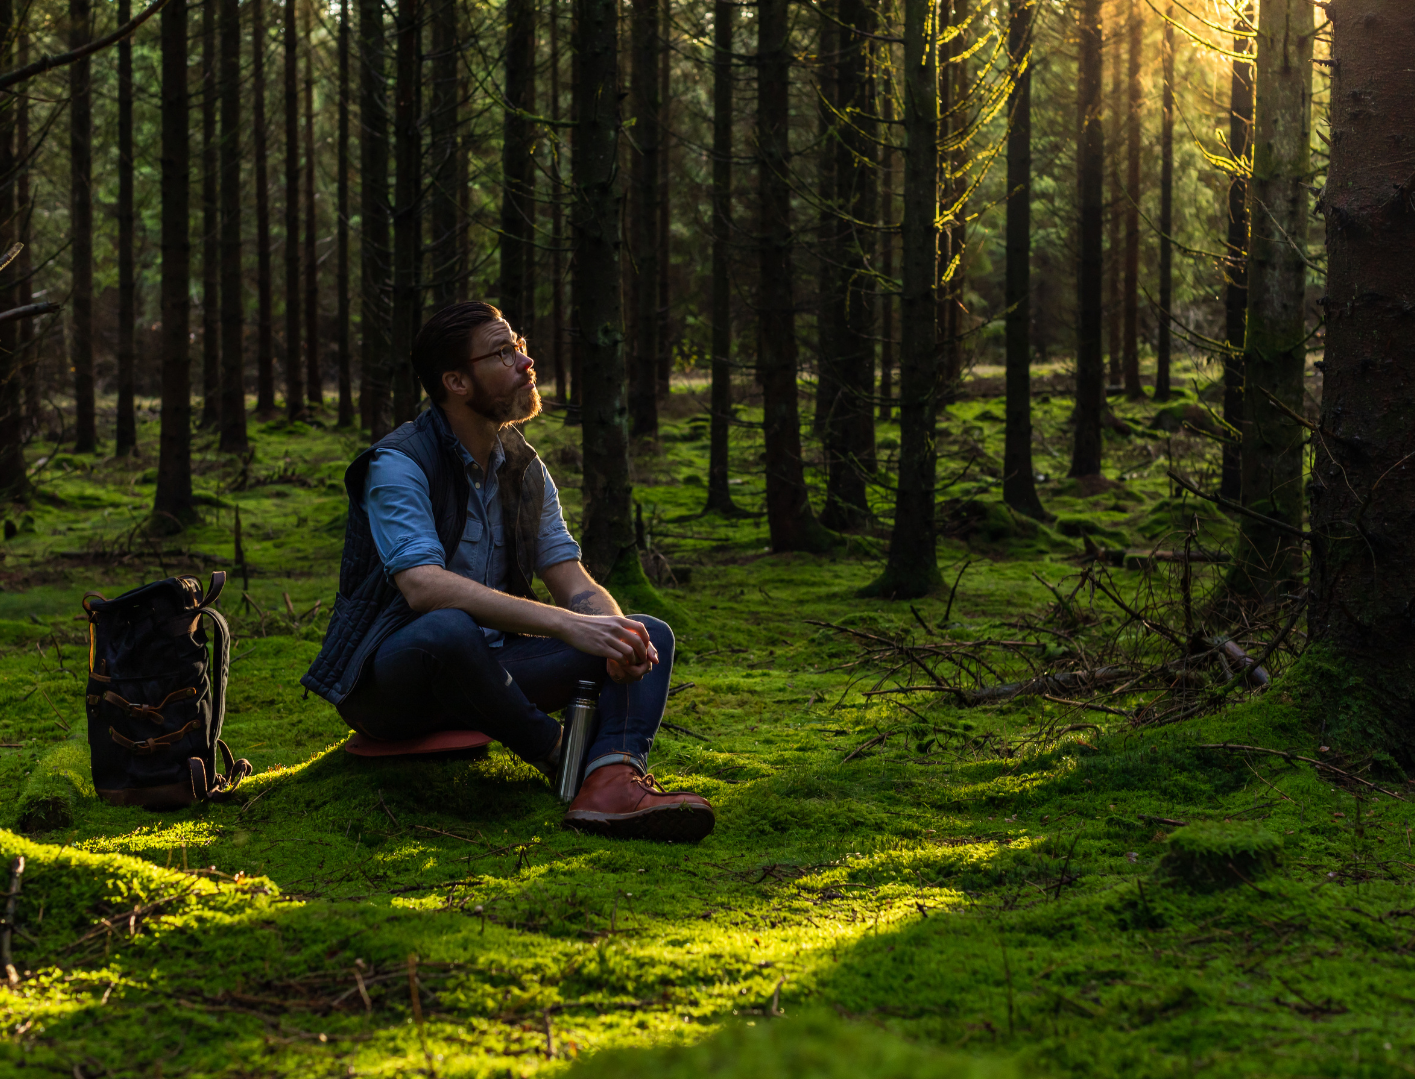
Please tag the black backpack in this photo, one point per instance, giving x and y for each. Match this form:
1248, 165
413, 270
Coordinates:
155, 700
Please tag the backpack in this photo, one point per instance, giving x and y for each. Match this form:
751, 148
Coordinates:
155, 700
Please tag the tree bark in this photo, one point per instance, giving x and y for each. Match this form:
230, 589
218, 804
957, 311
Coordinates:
407, 211
1018, 486
1240, 122
1166, 287
828, 299
341, 251
1363, 482
576, 343
1130, 359
29, 364
125, 440
956, 87
442, 121
719, 494
172, 501
375, 259
886, 239
1090, 198
665, 221
788, 508
912, 569
294, 377
210, 224
1276, 345
1115, 213
81, 230
518, 174
13, 481
265, 304
233, 314
850, 432
643, 205
314, 376
557, 225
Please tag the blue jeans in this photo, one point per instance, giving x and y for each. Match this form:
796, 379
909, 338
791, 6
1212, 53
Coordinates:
438, 674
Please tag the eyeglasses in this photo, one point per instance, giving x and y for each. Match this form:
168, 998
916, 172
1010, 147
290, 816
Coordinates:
506, 353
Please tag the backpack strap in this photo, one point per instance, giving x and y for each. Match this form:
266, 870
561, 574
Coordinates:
221, 786
152, 745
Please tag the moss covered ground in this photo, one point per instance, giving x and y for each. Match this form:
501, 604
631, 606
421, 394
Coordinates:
954, 900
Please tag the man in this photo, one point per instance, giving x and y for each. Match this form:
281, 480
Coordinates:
436, 626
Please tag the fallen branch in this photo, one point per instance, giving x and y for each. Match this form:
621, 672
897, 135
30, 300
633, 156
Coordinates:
1234, 747
1090, 706
1053, 684
685, 730
875, 741
1224, 503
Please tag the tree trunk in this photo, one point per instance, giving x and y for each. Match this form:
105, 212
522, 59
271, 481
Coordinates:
518, 175
1115, 212
1276, 348
557, 225
643, 205
13, 481
210, 225
1090, 198
233, 320
81, 230
442, 121
1166, 288
172, 501
314, 376
29, 365
850, 433
1240, 122
788, 508
912, 569
719, 494
265, 305
828, 301
1363, 572
665, 171
374, 257
407, 211
294, 378
341, 253
1130, 359
607, 534
886, 239
952, 326
125, 440
1018, 486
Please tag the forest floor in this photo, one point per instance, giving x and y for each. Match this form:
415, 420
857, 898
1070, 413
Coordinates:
978, 893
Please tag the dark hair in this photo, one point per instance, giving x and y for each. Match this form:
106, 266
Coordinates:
445, 343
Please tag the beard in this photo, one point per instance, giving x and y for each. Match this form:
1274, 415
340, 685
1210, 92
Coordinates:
521, 404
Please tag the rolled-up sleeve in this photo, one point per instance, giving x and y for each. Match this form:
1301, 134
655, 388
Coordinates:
555, 544
399, 509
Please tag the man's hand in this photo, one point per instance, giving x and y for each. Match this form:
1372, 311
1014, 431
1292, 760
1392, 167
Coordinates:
575, 590
624, 643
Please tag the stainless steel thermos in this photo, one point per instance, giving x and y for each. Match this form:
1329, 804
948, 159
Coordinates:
579, 725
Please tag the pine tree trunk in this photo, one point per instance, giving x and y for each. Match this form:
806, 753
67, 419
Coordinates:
265, 304
912, 569
172, 501
1130, 359
1115, 213
1363, 485
81, 230
828, 302
557, 225
294, 377
1018, 485
1090, 198
341, 253
886, 240
719, 494
314, 376
233, 313
607, 534
665, 171
850, 433
13, 482
518, 176
1276, 350
1236, 268
643, 205
375, 259
29, 364
125, 440
952, 292
407, 211
210, 225
1166, 287
788, 508
442, 121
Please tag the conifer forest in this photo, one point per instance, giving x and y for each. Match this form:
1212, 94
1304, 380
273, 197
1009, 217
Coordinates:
1008, 404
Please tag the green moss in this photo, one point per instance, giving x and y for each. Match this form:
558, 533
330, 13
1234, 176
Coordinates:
1210, 856
54, 789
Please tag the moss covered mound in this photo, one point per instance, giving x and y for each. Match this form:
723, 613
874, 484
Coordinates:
1211, 856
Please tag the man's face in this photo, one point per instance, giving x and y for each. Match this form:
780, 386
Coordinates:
500, 393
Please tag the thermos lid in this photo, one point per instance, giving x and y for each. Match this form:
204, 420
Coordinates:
586, 689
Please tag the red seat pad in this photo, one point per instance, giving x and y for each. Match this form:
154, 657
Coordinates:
437, 742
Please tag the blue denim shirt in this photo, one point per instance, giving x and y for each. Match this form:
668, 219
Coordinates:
399, 508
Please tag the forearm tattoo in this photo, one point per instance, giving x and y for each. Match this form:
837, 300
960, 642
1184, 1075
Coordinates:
586, 602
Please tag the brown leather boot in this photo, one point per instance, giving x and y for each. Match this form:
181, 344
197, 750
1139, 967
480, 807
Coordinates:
616, 801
